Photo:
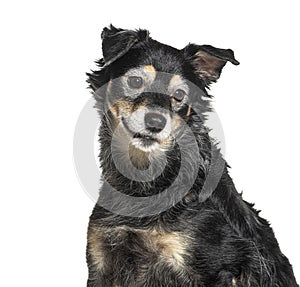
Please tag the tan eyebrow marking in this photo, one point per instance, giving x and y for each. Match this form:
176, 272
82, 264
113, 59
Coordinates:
175, 79
149, 68
177, 82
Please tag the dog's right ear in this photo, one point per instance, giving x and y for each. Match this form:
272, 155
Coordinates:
117, 42
208, 61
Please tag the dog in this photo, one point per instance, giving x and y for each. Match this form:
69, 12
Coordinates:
168, 212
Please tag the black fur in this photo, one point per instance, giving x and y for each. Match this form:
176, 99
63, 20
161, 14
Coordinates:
229, 243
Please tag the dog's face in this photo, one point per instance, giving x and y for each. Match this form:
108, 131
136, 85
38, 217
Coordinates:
151, 88
150, 105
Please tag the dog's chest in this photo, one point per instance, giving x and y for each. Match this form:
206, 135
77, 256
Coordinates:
138, 251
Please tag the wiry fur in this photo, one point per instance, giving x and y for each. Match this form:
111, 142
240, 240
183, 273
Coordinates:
210, 238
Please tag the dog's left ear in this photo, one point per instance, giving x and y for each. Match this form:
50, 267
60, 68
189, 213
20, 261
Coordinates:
117, 42
208, 61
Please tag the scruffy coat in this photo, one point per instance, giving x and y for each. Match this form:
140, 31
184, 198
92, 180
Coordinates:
210, 238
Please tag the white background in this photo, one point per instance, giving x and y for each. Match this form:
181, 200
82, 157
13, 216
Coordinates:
46, 48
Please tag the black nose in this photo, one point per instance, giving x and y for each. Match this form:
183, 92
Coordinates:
155, 122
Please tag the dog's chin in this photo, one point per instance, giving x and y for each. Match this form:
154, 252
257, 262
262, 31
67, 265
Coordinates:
145, 144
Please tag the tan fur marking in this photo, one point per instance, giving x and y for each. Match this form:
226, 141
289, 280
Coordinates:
141, 105
188, 111
177, 82
177, 121
115, 111
124, 106
171, 247
234, 282
176, 79
119, 106
95, 247
139, 158
150, 69
166, 144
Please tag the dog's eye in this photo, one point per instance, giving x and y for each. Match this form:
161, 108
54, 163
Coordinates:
135, 82
178, 95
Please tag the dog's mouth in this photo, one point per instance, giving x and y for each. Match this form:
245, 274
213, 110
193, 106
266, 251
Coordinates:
145, 139
140, 139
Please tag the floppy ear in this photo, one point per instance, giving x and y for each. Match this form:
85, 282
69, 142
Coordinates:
209, 61
117, 42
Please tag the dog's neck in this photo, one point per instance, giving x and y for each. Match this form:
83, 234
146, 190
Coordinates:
138, 173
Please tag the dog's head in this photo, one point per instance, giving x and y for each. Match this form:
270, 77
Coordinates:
148, 89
